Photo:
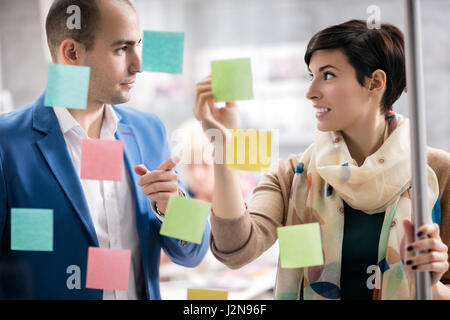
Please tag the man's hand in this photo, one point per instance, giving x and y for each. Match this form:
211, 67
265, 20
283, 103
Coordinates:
158, 185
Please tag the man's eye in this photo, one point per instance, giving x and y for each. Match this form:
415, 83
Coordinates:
122, 49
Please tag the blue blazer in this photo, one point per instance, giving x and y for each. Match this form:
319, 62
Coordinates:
36, 171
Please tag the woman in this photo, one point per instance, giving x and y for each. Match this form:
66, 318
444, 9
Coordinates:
354, 179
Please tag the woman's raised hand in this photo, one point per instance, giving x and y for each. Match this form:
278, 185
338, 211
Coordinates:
211, 116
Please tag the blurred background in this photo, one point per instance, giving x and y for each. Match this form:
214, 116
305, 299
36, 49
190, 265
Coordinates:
274, 34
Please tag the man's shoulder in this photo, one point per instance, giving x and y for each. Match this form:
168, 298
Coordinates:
15, 125
11, 119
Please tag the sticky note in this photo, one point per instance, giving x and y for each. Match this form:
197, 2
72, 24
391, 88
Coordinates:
67, 86
101, 159
163, 51
32, 229
300, 245
108, 268
206, 294
185, 219
249, 150
231, 80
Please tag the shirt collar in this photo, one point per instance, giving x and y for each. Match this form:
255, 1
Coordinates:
65, 119
67, 122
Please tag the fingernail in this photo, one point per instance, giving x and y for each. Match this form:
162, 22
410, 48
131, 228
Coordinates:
419, 234
408, 262
410, 248
414, 267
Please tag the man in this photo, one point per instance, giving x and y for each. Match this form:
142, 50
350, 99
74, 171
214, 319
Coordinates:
40, 150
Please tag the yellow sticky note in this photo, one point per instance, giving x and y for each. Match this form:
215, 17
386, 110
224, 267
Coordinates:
206, 294
300, 245
250, 150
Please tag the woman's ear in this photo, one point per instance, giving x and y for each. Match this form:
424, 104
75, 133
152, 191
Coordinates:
377, 82
70, 52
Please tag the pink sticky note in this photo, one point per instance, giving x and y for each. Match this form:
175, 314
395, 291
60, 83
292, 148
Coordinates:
108, 268
101, 159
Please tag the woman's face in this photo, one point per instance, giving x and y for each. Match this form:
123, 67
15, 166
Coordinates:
339, 99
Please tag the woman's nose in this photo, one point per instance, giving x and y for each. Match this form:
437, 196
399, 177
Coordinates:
313, 92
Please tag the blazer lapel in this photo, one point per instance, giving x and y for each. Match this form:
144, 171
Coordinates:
131, 150
54, 150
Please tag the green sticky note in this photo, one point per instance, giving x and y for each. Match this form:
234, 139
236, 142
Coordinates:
185, 219
67, 86
32, 229
232, 80
163, 51
300, 245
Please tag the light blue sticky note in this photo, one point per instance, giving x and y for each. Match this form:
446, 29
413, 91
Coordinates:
32, 229
67, 86
163, 51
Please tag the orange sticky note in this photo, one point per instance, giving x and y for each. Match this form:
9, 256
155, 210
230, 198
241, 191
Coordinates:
101, 159
108, 268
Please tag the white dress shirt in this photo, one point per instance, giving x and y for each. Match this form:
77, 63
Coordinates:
111, 203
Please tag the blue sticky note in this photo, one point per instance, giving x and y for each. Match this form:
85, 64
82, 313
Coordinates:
67, 86
163, 51
32, 229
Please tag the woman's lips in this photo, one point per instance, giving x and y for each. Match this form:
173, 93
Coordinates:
321, 111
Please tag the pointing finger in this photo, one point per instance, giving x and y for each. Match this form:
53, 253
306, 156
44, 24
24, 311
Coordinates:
169, 164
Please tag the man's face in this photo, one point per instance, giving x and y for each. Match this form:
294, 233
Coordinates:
114, 58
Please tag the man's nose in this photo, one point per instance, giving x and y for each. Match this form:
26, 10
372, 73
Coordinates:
135, 66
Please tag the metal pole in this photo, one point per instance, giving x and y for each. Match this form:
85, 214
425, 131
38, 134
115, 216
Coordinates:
415, 88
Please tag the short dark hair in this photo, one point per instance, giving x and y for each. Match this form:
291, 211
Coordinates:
367, 50
56, 23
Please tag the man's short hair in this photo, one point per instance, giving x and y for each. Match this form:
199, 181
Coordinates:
56, 23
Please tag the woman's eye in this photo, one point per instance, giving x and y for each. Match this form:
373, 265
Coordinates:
328, 75
310, 77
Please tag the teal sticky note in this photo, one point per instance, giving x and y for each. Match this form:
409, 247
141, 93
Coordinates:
231, 80
185, 219
163, 51
32, 229
300, 245
67, 86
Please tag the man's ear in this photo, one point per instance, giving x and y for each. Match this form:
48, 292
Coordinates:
377, 82
70, 52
